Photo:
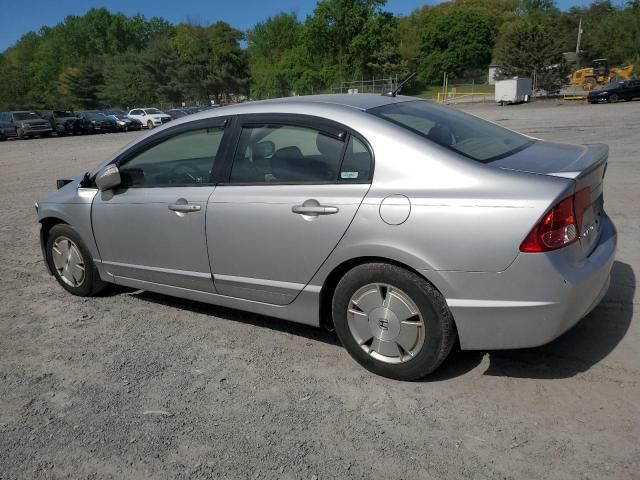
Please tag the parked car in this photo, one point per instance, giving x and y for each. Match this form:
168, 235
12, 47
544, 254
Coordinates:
149, 117
64, 122
177, 113
123, 122
458, 229
24, 124
7, 129
624, 90
97, 122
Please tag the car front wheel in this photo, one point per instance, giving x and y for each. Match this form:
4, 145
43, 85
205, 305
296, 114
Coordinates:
613, 98
392, 321
150, 125
71, 262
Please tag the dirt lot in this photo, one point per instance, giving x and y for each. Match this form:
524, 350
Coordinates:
137, 385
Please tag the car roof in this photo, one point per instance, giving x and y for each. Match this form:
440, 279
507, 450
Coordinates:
360, 101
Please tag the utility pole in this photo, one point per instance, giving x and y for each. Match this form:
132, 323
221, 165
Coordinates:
579, 40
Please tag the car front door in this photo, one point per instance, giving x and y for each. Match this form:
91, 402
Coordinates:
152, 227
291, 192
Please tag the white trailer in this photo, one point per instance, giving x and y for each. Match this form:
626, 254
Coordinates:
513, 90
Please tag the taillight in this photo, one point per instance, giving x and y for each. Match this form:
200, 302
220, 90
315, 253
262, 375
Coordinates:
560, 226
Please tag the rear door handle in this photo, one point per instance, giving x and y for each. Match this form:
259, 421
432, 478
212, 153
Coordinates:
184, 208
314, 210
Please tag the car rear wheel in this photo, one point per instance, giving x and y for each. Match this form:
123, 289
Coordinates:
71, 263
150, 125
392, 321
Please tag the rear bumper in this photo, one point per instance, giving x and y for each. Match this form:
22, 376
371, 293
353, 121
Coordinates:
535, 300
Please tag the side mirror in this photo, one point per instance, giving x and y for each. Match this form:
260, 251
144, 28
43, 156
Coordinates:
108, 178
143, 114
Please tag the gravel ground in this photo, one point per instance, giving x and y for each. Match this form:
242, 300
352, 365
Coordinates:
138, 385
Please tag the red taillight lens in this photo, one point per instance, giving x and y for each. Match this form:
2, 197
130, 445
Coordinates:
560, 226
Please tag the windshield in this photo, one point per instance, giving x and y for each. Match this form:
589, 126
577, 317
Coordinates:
152, 111
472, 137
96, 116
26, 116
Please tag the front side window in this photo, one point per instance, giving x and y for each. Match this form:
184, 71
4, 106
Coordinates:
271, 153
472, 137
184, 159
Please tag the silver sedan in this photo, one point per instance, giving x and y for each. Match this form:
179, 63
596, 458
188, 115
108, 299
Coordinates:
403, 225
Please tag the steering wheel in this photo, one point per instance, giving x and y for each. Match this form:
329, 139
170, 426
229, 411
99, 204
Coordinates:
185, 174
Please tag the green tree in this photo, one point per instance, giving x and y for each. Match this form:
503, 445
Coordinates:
80, 86
272, 55
526, 48
459, 43
226, 64
348, 38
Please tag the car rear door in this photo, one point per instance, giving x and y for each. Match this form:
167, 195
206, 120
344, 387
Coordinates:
283, 204
152, 227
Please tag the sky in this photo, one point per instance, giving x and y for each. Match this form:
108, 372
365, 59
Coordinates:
18, 18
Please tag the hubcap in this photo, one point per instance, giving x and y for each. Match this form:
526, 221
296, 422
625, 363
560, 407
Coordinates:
68, 261
386, 323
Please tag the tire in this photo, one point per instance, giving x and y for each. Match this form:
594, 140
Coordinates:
20, 133
613, 98
65, 248
589, 83
150, 125
428, 331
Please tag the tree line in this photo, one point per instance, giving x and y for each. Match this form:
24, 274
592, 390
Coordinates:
108, 59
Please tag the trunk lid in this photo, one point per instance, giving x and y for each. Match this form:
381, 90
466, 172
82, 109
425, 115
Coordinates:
584, 164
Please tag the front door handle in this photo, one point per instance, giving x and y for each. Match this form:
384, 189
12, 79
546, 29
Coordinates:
314, 210
184, 208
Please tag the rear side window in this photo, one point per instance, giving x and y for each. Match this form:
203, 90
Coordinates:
270, 153
356, 166
468, 135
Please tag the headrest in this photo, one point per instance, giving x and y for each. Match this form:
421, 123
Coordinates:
327, 146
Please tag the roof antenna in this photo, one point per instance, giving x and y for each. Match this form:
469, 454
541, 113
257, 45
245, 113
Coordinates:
393, 93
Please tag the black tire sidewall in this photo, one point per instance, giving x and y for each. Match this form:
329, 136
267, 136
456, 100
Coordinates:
423, 295
92, 281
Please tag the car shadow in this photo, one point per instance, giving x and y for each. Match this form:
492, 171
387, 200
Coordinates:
574, 352
299, 329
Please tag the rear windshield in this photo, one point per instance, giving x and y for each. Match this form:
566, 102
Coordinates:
472, 137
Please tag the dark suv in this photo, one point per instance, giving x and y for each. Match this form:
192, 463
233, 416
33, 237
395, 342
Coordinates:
97, 122
64, 122
23, 124
626, 90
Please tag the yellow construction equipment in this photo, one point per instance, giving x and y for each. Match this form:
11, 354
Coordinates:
599, 73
